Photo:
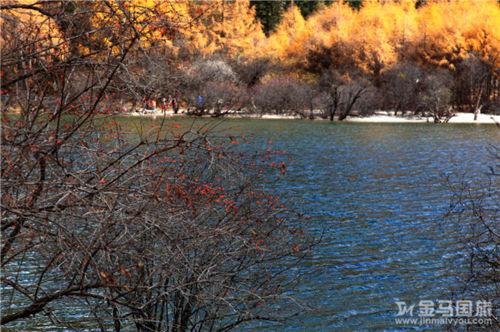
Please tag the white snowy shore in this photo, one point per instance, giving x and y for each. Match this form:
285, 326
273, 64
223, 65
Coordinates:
378, 117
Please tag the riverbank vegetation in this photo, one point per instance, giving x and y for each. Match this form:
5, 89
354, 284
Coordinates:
314, 59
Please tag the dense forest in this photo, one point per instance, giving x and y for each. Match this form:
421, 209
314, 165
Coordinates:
326, 58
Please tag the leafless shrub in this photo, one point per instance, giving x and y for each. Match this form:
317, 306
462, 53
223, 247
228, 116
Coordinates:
212, 70
474, 220
224, 98
401, 87
350, 94
474, 85
283, 95
436, 96
149, 75
370, 101
341, 94
157, 228
250, 72
216, 83
493, 106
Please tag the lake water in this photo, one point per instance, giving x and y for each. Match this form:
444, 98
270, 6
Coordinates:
379, 193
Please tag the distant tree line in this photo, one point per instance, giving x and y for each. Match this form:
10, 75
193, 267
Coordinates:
431, 58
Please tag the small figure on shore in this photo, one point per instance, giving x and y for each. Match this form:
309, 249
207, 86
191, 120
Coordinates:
218, 107
200, 101
175, 106
152, 104
4, 98
148, 105
164, 105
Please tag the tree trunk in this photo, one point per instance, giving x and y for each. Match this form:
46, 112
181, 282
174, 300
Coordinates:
334, 104
477, 112
349, 107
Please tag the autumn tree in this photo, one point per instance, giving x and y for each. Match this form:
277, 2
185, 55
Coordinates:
448, 31
223, 27
287, 41
324, 45
379, 35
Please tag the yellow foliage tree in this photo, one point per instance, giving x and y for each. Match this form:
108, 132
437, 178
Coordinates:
382, 33
157, 22
450, 31
226, 27
290, 36
371, 39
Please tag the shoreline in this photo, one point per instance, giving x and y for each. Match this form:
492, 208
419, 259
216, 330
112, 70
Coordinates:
378, 117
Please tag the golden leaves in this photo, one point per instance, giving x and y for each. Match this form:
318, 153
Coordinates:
372, 39
384, 32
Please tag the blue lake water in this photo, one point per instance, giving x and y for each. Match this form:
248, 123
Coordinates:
379, 194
